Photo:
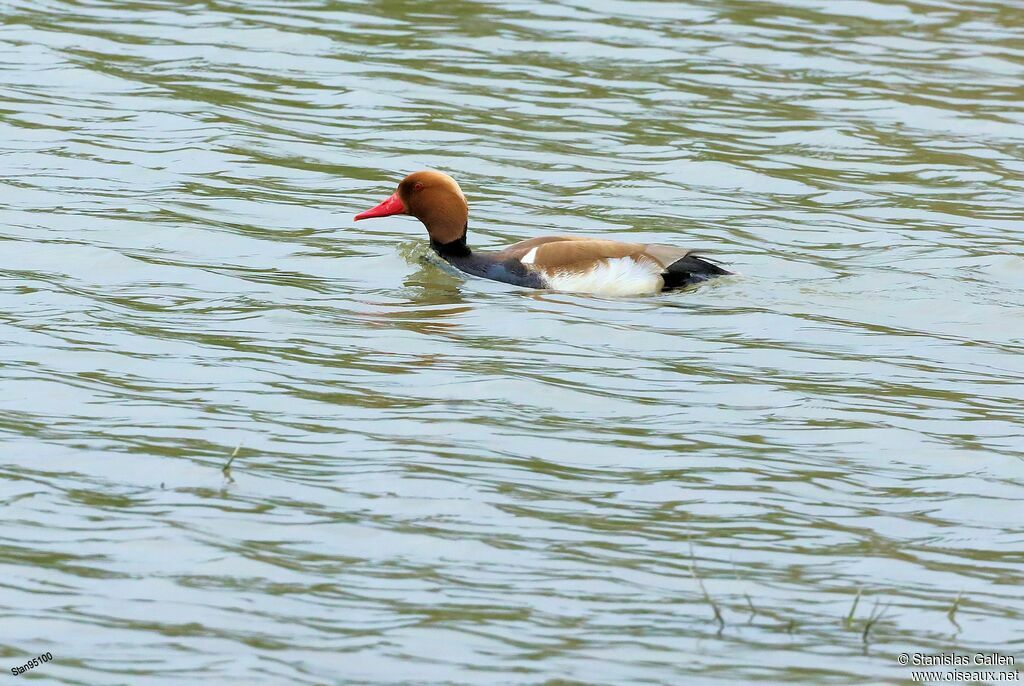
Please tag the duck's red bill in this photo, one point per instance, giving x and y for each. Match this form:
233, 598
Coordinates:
392, 205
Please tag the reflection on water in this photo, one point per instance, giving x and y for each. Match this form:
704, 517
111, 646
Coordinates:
444, 479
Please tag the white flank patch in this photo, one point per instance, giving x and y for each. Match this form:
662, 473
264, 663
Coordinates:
529, 257
616, 276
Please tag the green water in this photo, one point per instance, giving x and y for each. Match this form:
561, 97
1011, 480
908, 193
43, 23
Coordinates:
449, 480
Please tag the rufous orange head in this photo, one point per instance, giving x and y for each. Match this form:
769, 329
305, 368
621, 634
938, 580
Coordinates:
434, 198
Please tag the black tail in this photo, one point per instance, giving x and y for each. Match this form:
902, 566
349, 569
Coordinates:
690, 270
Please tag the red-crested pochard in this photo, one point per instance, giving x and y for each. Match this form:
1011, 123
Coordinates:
563, 263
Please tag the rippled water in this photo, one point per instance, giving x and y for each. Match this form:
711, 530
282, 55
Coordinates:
448, 480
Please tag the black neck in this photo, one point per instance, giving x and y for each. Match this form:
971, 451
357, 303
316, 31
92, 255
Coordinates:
456, 248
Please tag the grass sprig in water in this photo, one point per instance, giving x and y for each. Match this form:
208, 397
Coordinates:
952, 611
226, 469
853, 608
873, 619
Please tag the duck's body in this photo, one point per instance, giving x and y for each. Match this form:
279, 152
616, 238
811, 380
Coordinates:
582, 265
563, 263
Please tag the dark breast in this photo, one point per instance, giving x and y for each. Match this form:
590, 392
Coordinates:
494, 266
491, 267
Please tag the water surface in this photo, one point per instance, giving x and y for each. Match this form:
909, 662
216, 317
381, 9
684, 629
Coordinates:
445, 480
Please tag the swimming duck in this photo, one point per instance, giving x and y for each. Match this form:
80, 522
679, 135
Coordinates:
562, 263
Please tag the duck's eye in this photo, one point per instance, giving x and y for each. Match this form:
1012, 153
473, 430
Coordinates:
417, 186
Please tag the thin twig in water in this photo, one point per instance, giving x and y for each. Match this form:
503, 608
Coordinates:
952, 611
226, 469
750, 604
853, 609
707, 596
